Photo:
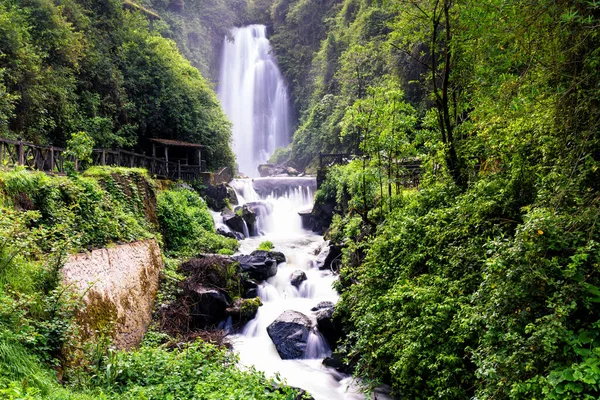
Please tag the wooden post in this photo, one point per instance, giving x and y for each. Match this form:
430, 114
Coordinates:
178, 169
200, 158
118, 156
132, 162
103, 157
20, 152
167, 159
1, 153
51, 158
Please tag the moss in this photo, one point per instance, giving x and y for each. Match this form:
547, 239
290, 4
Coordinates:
99, 315
249, 307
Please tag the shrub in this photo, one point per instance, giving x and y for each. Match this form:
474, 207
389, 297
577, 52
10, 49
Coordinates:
187, 225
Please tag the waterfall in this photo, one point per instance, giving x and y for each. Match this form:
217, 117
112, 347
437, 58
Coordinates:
254, 97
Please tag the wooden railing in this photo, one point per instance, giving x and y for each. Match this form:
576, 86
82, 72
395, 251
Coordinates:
52, 160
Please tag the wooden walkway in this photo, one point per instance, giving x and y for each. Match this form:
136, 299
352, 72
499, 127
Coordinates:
52, 159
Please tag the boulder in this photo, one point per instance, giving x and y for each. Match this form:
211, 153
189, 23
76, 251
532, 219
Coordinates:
265, 170
329, 326
322, 305
243, 310
216, 196
250, 288
278, 256
291, 171
249, 216
234, 222
257, 267
230, 234
329, 257
208, 305
289, 332
297, 278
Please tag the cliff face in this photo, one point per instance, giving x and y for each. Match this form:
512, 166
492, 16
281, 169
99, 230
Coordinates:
118, 285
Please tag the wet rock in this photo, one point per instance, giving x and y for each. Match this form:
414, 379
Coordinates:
232, 196
297, 278
323, 304
249, 217
278, 256
329, 257
307, 218
289, 332
230, 234
336, 361
243, 310
250, 288
234, 222
329, 326
257, 267
208, 305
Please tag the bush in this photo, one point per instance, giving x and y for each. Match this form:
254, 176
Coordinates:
199, 370
187, 225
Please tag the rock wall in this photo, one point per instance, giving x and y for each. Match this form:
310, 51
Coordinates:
119, 285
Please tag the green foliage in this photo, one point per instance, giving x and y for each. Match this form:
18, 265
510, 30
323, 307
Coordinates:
76, 65
79, 148
199, 370
77, 210
266, 245
187, 225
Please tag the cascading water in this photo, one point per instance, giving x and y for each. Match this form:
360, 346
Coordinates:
282, 227
254, 97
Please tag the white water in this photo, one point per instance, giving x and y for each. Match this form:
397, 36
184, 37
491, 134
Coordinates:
254, 97
283, 228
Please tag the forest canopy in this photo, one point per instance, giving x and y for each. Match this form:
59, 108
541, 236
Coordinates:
103, 68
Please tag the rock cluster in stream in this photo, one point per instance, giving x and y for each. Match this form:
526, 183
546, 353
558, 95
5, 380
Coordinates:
205, 297
244, 220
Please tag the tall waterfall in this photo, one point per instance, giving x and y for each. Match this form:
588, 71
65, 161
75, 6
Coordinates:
254, 97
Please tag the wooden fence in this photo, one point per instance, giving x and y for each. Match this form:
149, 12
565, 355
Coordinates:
52, 160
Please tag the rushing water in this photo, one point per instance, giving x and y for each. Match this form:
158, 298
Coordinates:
254, 97
283, 228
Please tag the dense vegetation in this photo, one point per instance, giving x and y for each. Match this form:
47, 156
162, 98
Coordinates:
100, 67
42, 220
484, 282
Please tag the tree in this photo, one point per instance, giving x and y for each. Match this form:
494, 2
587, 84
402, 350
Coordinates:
424, 31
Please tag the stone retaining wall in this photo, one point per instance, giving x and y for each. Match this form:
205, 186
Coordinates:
119, 285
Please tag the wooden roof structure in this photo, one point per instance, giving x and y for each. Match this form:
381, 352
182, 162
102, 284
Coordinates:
175, 143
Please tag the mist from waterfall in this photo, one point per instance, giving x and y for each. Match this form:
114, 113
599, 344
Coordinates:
254, 97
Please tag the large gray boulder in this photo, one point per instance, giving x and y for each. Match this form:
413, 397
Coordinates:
297, 278
278, 256
289, 332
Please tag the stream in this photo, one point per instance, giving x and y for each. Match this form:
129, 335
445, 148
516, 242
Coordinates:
255, 98
284, 229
